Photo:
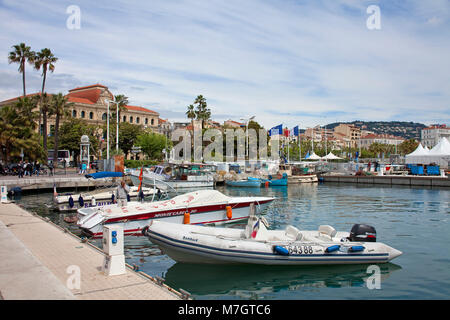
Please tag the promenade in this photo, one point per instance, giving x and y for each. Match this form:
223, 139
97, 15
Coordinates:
38, 261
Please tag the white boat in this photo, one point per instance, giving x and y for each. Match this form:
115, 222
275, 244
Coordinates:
257, 245
175, 176
199, 207
307, 178
95, 198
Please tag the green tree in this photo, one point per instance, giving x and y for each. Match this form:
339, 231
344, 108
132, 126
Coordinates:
70, 133
17, 125
44, 106
123, 101
152, 144
21, 54
60, 109
128, 134
407, 146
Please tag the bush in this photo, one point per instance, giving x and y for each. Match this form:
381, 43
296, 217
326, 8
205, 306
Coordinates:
139, 163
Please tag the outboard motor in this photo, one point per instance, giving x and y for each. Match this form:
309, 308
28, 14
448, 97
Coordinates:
363, 233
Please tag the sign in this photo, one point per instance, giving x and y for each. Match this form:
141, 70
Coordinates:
4, 194
136, 149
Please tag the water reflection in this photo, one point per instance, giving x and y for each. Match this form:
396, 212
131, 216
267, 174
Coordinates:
243, 280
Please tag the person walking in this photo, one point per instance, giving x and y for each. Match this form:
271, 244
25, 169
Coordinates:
122, 194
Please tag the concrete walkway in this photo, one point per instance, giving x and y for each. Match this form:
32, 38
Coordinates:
38, 259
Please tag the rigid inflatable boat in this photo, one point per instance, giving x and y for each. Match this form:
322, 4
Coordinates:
257, 245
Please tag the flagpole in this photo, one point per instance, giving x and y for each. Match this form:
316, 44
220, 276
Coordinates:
299, 145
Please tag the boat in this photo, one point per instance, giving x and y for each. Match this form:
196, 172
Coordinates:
197, 207
249, 182
282, 180
175, 176
95, 198
307, 178
257, 245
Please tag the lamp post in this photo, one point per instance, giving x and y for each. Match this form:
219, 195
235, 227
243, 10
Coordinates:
246, 132
117, 126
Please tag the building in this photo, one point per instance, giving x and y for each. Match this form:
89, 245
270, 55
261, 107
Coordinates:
233, 124
349, 131
431, 135
368, 140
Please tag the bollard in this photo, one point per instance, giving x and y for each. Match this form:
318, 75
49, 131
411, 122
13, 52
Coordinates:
4, 194
114, 262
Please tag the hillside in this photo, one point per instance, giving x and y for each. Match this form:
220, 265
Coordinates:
407, 130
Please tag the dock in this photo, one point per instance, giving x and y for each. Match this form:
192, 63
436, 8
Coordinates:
404, 180
40, 260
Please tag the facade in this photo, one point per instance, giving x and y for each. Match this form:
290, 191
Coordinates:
351, 132
430, 136
369, 139
233, 124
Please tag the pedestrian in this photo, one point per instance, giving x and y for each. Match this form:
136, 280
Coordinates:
50, 166
20, 169
37, 168
83, 168
122, 194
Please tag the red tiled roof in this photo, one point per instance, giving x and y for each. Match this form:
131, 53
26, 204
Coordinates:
27, 96
91, 86
79, 100
91, 94
135, 108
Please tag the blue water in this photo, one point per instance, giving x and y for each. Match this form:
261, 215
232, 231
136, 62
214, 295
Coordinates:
412, 220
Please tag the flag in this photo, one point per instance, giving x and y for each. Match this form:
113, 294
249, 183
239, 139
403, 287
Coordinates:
276, 130
295, 132
255, 229
140, 179
286, 132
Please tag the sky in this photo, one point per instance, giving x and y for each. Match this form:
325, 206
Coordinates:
287, 62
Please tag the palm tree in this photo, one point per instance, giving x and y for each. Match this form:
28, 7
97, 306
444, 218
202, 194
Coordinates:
45, 60
123, 101
60, 108
21, 54
202, 112
45, 106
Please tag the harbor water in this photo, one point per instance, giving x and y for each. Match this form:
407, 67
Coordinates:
412, 220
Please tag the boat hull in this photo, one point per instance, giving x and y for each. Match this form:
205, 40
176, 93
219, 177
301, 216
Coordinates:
172, 184
244, 183
194, 247
213, 214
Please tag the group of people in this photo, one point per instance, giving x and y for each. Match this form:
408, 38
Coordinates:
29, 168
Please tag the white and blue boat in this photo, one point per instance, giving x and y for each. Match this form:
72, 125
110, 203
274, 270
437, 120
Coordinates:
283, 181
249, 182
257, 245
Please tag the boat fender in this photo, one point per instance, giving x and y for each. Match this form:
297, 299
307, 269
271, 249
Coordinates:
187, 218
128, 197
229, 212
112, 198
93, 202
281, 250
356, 248
141, 195
332, 248
81, 201
71, 202
266, 184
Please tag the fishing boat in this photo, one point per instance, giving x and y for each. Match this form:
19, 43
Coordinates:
257, 245
197, 207
307, 178
98, 197
281, 181
175, 176
249, 182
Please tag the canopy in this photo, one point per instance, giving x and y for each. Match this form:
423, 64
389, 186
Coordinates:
314, 156
442, 148
104, 174
439, 154
420, 151
331, 156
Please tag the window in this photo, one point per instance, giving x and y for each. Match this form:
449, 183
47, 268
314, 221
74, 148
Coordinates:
146, 120
137, 119
131, 119
104, 116
74, 113
124, 119
91, 115
83, 114
152, 122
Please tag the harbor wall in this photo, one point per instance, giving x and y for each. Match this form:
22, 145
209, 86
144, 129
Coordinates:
389, 180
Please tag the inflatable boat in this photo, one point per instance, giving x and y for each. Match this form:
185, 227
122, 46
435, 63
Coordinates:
257, 245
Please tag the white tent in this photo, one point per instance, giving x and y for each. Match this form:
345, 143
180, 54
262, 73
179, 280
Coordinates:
331, 156
314, 156
439, 154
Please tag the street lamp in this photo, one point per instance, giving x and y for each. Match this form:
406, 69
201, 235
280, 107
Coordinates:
117, 126
246, 132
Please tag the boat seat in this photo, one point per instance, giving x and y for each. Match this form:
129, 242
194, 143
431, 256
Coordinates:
293, 233
326, 230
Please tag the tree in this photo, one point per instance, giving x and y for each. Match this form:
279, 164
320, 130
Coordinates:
123, 101
407, 146
59, 108
152, 144
45, 105
21, 54
128, 134
45, 60
17, 124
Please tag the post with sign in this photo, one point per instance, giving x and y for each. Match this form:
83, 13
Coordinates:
84, 150
4, 194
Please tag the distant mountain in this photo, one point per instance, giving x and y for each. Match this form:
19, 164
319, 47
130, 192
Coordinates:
407, 130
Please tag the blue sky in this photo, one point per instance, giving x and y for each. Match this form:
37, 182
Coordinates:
284, 61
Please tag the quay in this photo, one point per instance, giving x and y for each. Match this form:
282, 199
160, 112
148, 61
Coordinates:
429, 181
39, 261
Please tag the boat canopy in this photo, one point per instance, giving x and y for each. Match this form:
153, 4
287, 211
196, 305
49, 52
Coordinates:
104, 174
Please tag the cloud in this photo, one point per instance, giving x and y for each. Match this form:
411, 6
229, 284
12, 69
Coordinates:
285, 62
